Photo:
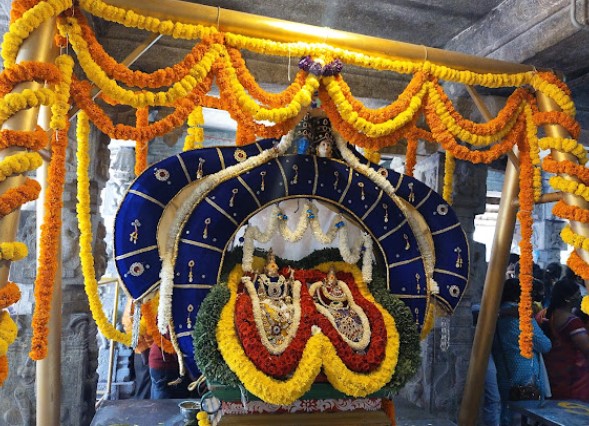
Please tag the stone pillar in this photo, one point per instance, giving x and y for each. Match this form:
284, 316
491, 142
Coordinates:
439, 384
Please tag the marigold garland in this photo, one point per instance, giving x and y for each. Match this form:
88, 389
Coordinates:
28, 71
9, 295
85, 226
23, 26
149, 313
195, 137
572, 213
33, 140
12, 103
13, 251
141, 145
567, 167
448, 189
13, 198
203, 418
570, 186
526, 200
578, 265
19, 7
19, 163
81, 94
8, 333
571, 146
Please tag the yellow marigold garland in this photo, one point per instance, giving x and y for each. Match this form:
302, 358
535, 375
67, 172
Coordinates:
571, 146
531, 134
12, 103
85, 226
195, 137
19, 163
572, 187
19, 30
13, 251
449, 166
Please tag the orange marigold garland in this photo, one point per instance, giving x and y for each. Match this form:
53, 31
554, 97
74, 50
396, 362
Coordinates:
149, 312
566, 167
574, 213
50, 235
81, 93
13, 198
142, 144
9, 295
388, 407
526, 200
411, 155
578, 265
449, 165
33, 140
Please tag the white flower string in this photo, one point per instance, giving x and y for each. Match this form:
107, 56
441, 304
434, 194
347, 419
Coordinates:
425, 245
278, 221
206, 184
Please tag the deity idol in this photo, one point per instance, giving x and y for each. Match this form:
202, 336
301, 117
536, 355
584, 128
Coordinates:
276, 305
334, 300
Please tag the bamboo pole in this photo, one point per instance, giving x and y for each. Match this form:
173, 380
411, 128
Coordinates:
285, 31
493, 287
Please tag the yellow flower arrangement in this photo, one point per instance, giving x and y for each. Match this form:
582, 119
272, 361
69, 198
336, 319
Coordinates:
319, 352
85, 226
61, 106
203, 418
573, 239
8, 331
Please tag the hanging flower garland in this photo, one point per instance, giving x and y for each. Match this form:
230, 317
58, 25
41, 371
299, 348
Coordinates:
526, 202
572, 213
195, 137
48, 262
141, 145
135, 78
30, 20
448, 189
9, 295
581, 172
85, 226
149, 314
12, 103
81, 93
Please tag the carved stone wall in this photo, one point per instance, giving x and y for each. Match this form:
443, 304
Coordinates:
439, 384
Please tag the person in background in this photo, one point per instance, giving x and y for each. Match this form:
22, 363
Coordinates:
568, 361
552, 274
166, 382
512, 368
141, 373
492, 399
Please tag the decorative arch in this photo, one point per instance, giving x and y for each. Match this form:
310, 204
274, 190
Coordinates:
212, 223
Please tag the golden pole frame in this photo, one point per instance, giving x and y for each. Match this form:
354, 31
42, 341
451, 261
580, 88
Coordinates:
251, 25
284, 31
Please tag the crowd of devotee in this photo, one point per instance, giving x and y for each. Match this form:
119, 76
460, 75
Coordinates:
559, 367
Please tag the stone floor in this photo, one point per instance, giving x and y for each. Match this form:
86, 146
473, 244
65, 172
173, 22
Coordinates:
409, 414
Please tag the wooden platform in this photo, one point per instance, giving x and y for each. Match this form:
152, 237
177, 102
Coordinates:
355, 418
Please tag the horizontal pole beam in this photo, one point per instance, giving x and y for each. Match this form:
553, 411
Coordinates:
251, 25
